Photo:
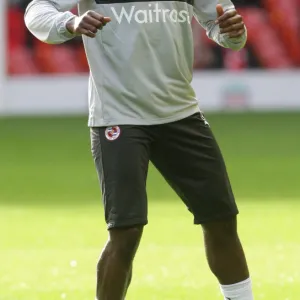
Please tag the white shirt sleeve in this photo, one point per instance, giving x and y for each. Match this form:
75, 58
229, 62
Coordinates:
46, 20
206, 14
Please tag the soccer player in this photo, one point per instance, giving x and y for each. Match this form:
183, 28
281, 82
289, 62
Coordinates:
142, 108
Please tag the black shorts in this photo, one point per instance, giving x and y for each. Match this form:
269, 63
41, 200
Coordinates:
185, 152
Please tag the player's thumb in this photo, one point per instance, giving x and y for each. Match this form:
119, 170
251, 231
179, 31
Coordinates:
220, 10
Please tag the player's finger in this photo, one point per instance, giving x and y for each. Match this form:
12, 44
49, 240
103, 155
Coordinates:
226, 15
233, 20
232, 28
92, 21
106, 20
237, 34
89, 27
88, 33
96, 19
220, 10
95, 15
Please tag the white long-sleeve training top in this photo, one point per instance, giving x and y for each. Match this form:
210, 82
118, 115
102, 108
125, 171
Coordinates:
141, 63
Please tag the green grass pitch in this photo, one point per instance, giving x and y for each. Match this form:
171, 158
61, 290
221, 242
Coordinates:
52, 229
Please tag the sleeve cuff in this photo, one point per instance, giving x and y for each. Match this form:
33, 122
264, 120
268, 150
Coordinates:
61, 26
236, 43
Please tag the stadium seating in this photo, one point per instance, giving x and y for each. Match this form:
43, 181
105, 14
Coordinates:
21, 62
17, 33
236, 61
20, 58
284, 17
265, 41
81, 59
56, 58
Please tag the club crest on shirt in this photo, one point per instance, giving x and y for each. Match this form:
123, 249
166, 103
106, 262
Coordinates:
112, 132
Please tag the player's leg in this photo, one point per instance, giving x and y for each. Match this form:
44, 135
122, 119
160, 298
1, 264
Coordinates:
114, 269
190, 160
121, 157
226, 258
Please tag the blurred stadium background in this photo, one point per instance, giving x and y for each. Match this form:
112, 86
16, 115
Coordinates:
51, 221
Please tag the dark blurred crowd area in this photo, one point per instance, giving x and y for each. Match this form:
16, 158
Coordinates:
273, 42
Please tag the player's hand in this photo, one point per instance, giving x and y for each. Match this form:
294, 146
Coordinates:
230, 22
87, 24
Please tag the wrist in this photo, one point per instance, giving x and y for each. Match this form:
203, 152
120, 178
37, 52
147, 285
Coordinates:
69, 25
61, 25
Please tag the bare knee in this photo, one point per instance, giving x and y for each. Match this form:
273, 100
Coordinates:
123, 243
222, 232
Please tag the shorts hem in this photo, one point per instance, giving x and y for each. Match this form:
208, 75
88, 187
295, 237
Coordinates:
126, 223
198, 221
